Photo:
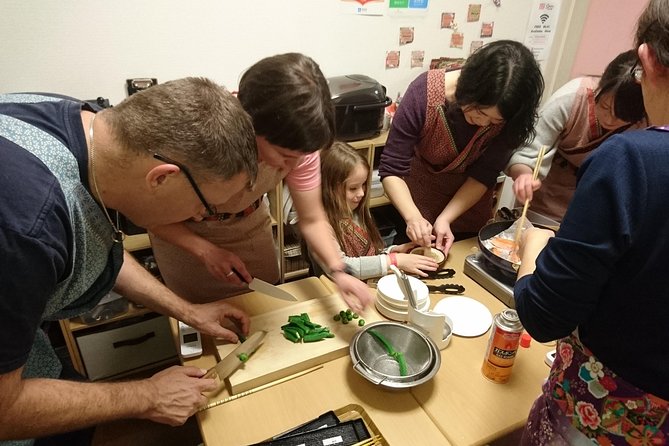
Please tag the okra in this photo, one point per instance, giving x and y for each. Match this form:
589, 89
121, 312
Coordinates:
291, 337
301, 328
313, 337
243, 357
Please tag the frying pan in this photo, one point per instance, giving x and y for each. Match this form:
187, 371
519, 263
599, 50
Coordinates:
495, 228
488, 231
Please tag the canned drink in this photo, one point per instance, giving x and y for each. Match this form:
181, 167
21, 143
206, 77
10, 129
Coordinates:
502, 346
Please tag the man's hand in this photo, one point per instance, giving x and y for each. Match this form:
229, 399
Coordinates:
176, 394
212, 318
220, 264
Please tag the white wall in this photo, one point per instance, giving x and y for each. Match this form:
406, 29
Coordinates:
87, 48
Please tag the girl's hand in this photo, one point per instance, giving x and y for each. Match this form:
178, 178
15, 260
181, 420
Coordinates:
524, 186
415, 264
420, 231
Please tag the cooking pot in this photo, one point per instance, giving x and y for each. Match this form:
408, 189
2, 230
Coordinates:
360, 103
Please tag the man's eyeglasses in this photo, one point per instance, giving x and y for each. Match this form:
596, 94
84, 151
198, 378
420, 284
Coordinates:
637, 71
211, 210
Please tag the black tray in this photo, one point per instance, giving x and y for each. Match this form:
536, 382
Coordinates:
347, 433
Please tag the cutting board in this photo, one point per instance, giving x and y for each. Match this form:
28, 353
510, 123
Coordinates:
278, 357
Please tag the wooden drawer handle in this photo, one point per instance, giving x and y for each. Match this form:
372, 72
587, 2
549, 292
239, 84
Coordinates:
134, 341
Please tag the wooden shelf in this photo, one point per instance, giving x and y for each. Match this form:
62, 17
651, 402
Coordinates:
290, 275
132, 312
379, 201
377, 141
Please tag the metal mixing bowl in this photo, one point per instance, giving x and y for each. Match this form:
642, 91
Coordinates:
372, 361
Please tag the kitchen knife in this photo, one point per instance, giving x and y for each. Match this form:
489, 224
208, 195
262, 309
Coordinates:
231, 362
267, 288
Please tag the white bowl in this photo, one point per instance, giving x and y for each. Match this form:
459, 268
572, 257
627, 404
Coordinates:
392, 293
399, 305
396, 314
434, 253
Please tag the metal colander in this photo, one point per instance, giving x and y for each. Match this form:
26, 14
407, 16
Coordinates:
371, 359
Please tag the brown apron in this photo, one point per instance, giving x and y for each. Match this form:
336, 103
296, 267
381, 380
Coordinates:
584, 136
248, 237
439, 168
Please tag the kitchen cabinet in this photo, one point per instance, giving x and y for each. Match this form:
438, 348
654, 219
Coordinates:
291, 262
137, 336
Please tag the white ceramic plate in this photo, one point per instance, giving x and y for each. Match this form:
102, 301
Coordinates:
470, 317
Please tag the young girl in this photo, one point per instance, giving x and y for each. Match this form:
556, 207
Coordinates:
344, 174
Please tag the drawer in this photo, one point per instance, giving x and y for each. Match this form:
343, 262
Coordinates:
109, 352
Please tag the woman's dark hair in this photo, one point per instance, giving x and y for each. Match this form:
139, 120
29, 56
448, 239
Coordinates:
617, 81
504, 74
653, 29
289, 101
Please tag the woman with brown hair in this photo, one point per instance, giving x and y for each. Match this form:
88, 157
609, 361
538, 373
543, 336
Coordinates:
289, 102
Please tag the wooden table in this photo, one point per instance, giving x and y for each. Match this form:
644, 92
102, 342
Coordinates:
467, 407
459, 406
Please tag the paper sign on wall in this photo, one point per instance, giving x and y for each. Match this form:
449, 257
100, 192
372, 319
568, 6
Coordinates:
541, 27
413, 7
363, 7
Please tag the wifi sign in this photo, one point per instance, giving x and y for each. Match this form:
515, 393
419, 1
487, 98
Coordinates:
544, 17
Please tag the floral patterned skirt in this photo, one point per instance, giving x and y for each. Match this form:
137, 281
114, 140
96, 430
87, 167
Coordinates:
585, 403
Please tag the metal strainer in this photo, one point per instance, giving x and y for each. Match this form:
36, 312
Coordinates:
372, 360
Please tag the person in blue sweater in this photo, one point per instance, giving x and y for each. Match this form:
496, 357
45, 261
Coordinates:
600, 285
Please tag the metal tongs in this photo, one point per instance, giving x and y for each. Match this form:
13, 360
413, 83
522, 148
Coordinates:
405, 286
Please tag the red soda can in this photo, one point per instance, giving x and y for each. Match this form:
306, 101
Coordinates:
502, 346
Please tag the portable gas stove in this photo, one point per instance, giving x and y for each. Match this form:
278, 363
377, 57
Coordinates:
490, 277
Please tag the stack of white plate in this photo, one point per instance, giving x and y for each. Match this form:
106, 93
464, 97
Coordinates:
391, 302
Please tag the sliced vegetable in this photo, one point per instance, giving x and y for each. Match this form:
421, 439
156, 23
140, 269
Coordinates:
301, 328
361, 322
291, 337
397, 356
243, 357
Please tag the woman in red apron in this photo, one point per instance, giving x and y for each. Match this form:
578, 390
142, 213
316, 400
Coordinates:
453, 134
601, 286
576, 119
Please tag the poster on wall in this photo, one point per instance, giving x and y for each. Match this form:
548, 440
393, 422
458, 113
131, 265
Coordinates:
406, 35
417, 59
540, 30
363, 7
410, 7
392, 59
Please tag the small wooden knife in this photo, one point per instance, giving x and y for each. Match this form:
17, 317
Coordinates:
232, 361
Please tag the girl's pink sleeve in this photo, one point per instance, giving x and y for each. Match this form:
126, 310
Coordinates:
307, 174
